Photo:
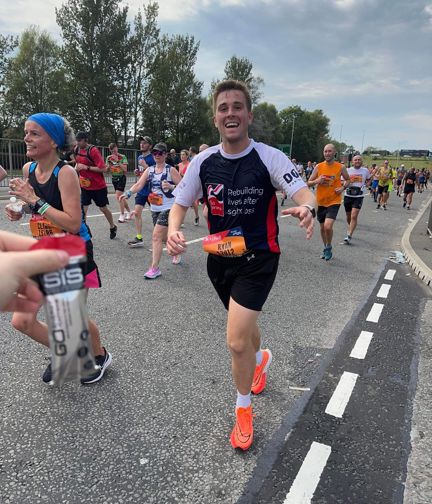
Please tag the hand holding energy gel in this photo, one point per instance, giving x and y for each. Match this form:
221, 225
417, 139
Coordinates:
66, 311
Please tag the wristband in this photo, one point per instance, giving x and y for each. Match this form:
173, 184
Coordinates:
128, 194
43, 208
311, 209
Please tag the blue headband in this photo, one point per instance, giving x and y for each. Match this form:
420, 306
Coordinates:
53, 124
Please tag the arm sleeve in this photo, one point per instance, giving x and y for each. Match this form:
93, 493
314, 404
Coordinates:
189, 189
97, 157
283, 174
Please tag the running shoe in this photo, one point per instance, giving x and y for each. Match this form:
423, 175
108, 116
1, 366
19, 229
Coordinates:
121, 218
347, 239
323, 254
136, 242
47, 376
152, 273
404, 204
242, 434
385, 207
113, 232
260, 374
177, 259
128, 216
408, 207
328, 254
103, 361
196, 221
378, 207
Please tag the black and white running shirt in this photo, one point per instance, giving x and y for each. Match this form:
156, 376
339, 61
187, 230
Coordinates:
240, 190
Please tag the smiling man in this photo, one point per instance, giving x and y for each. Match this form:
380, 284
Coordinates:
238, 180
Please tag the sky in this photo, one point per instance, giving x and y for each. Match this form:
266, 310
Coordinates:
366, 63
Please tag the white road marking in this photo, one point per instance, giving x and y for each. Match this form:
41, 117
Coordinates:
88, 217
300, 389
375, 313
390, 274
362, 344
338, 401
307, 479
384, 291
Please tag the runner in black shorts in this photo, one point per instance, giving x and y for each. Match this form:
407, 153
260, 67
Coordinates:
243, 246
117, 164
329, 212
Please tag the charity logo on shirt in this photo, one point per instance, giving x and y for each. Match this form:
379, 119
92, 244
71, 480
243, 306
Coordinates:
215, 198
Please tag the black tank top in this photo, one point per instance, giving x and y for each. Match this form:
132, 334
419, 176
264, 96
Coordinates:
49, 191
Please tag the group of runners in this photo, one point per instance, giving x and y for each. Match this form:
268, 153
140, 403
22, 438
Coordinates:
237, 182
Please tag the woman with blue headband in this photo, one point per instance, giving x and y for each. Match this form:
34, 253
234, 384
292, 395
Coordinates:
51, 191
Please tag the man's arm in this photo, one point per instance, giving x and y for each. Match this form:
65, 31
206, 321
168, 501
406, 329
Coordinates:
176, 243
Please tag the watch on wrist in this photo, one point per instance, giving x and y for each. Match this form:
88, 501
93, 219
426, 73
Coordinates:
312, 210
37, 206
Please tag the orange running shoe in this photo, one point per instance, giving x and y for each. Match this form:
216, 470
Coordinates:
242, 434
260, 374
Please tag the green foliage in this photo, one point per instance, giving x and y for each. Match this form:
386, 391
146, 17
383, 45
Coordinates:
94, 34
241, 69
174, 108
34, 78
7, 45
311, 131
266, 125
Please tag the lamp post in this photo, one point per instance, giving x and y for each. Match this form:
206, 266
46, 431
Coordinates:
292, 134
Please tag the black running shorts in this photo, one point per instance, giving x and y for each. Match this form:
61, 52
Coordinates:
119, 183
383, 189
99, 196
329, 212
247, 279
350, 203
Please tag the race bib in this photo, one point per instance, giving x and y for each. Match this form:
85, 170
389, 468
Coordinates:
155, 199
85, 182
116, 171
356, 179
40, 226
327, 181
230, 243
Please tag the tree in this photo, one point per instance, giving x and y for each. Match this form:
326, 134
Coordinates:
174, 107
94, 34
139, 52
311, 131
34, 78
241, 69
7, 45
266, 124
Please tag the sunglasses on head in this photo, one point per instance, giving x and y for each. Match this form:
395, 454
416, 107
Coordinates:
158, 153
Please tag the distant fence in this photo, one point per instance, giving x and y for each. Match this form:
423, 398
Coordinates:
13, 157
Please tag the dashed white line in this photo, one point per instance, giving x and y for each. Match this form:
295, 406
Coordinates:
362, 344
338, 401
390, 274
308, 477
375, 313
384, 291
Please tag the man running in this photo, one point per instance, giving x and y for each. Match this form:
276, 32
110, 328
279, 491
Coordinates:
327, 178
117, 164
238, 180
359, 176
145, 159
385, 174
409, 182
91, 168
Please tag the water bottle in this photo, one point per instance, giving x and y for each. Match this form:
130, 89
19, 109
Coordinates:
15, 206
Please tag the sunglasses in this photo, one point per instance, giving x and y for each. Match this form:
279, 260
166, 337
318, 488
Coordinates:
158, 153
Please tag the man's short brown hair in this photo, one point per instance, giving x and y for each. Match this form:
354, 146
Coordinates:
111, 146
232, 85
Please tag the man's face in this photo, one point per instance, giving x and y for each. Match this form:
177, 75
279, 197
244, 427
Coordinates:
82, 143
144, 146
329, 153
357, 161
232, 117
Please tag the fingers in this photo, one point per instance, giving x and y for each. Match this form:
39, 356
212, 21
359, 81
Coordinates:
176, 243
11, 242
27, 264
